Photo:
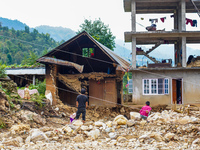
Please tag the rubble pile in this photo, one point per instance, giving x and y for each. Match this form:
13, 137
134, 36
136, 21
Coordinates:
10, 88
165, 130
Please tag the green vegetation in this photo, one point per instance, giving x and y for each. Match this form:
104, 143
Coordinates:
2, 123
37, 99
125, 81
40, 86
22, 46
2, 71
99, 31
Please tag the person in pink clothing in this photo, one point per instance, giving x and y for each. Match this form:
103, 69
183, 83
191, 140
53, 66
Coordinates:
145, 110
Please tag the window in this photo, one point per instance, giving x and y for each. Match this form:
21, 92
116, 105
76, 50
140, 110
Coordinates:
88, 52
130, 87
146, 86
155, 86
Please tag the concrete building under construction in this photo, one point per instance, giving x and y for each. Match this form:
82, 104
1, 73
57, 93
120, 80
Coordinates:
160, 82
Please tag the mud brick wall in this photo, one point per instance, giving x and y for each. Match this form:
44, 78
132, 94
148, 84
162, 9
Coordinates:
51, 82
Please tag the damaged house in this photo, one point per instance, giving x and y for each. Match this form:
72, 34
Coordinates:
83, 62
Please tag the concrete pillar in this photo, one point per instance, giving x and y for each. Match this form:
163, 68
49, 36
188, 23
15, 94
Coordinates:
133, 52
176, 47
133, 18
33, 79
133, 15
176, 19
184, 52
175, 53
181, 16
183, 12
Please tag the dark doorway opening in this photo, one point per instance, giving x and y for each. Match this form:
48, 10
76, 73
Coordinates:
177, 91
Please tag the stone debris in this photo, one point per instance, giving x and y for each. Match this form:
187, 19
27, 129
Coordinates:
120, 120
77, 123
135, 116
165, 130
19, 128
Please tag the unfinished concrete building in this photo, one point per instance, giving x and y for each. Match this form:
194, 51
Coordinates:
83, 62
160, 83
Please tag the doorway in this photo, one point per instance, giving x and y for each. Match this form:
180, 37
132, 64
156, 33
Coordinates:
177, 97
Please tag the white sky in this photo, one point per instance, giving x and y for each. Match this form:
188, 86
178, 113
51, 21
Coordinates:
68, 13
71, 13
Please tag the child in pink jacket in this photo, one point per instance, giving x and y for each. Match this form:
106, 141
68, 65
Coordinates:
145, 110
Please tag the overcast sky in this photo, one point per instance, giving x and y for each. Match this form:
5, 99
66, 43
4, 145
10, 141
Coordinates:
71, 13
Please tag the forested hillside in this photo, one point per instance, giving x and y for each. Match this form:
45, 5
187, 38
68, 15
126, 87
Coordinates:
16, 24
23, 46
57, 33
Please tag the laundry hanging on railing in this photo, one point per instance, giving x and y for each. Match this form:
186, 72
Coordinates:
189, 21
153, 20
163, 19
192, 22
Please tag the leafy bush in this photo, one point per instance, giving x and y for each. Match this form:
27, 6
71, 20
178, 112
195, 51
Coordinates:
2, 123
2, 71
37, 99
40, 86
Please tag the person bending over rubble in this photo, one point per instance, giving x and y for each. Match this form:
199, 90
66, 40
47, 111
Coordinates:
26, 92
145, 110
82, 104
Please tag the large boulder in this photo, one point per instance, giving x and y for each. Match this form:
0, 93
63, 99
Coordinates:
120, 120
135, 116
36, 135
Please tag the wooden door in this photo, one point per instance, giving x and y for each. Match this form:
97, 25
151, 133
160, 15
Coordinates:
110, 92
174, 91
96, 92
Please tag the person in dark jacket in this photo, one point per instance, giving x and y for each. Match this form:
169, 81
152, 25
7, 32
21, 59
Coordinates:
82, 104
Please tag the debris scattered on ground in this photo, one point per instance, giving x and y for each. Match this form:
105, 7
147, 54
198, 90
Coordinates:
28, 126
165, 130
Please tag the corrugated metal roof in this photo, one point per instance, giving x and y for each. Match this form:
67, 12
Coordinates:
25, 71
61, 62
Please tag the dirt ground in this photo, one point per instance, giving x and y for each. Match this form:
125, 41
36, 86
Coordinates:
26, 125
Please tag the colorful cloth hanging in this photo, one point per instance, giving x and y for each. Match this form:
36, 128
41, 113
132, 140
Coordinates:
189, 21
163, 19
153, 20
194, 23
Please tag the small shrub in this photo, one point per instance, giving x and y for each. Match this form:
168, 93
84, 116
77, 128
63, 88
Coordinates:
40, 86
2, 123
37, 99
2, 71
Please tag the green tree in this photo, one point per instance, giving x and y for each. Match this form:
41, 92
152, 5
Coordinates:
45, 51
27, 30
99, 31
9, 57
31, 59
19, 44
18, 57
